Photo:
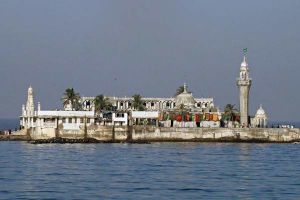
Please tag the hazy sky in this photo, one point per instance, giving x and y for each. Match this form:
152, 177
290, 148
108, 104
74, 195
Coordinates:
122, 47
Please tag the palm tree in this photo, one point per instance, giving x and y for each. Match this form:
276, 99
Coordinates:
179, 90
71, 97
138, 102
230, 112
102, 103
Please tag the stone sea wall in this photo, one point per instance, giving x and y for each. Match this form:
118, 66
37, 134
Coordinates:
152, 133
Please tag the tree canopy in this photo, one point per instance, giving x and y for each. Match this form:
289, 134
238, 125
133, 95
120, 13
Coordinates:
72, 98
179, 90
230, 112
138, 103
102, 103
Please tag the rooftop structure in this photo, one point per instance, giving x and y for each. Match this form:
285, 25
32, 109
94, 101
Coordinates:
154, 103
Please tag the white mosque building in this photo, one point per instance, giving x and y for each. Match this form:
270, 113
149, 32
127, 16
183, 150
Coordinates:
152, 103
124, 110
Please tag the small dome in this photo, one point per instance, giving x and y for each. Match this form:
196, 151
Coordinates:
185, 98
261, 112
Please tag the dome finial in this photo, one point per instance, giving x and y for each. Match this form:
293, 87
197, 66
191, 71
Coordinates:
184, 88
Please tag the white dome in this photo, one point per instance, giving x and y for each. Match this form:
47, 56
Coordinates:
185, 98
261, 112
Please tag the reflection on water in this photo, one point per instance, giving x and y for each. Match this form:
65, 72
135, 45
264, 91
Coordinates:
151, 171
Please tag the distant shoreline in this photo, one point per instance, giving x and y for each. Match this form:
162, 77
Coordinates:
4, 138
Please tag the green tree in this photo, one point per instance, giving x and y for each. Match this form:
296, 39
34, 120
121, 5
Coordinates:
72, 98
230, 112
102, 103
179, 90
138, 102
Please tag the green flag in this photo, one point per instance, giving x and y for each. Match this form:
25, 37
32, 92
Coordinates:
245, 50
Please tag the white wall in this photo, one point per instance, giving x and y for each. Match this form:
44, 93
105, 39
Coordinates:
63, 113
145, 114
122, 120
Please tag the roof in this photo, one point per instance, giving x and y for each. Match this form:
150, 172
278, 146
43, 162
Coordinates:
65, 113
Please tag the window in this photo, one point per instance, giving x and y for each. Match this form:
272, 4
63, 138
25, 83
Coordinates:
70, 120
152, 104
88, 120
63, 120
81, 120
121, 104
118, 115
75, 120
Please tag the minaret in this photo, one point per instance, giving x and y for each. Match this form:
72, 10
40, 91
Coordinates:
30, 103
244, 83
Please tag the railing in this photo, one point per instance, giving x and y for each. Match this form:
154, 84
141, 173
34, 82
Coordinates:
49, 125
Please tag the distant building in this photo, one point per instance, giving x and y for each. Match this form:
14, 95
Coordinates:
150, 103
261, 119
182, 110
52, 118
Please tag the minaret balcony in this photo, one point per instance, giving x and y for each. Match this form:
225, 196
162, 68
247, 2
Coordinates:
244, 82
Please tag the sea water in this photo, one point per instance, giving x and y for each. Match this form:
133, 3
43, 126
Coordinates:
149, 171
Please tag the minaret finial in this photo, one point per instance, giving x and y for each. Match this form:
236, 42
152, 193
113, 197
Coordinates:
245, 51
244, 63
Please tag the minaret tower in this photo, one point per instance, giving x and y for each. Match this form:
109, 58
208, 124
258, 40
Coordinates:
244, 84
30, 103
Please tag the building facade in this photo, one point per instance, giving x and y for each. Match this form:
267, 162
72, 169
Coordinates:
183, 110
261, 119
150, 103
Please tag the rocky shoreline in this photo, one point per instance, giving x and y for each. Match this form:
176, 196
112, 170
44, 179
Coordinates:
14, 138
60, 140
83, 140
94, 141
